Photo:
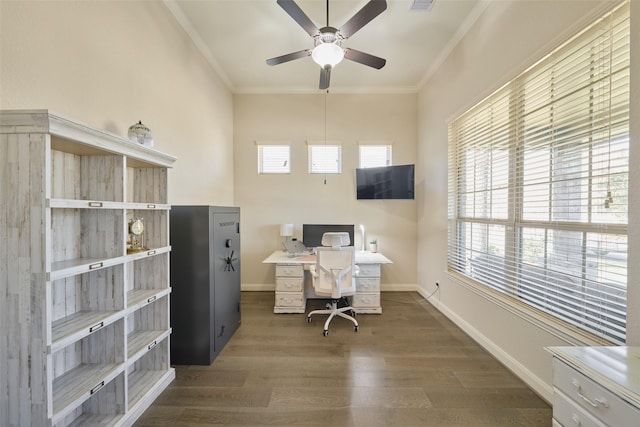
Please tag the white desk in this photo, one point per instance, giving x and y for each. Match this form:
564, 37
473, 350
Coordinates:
292, 290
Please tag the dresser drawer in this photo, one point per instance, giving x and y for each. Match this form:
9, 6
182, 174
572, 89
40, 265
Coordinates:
290, 299
369, 270
366, 300
286, 284
593, 398
567, 413
285, 270
364, 284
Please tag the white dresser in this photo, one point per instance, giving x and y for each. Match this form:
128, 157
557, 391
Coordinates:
292, 290
596, 386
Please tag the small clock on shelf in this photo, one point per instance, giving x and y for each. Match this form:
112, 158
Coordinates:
135, 243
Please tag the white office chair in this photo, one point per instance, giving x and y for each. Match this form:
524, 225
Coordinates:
334, 275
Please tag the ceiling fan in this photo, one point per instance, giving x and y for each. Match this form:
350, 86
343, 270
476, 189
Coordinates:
327, 48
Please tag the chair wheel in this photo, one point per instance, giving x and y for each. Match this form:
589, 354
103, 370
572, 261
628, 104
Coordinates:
355, 328
308, 319
325, 332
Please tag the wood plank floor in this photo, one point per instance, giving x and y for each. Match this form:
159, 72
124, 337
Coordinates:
409, 366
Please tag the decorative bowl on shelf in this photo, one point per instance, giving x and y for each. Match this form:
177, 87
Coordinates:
141, 134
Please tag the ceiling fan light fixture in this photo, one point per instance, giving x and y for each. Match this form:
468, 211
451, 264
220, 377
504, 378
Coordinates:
327, 54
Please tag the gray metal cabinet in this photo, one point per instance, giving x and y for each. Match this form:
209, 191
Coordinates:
205, 276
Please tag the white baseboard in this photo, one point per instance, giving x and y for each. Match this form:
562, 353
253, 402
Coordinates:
544, 390
258, 287
398, 287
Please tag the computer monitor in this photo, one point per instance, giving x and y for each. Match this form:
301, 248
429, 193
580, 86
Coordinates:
312, 233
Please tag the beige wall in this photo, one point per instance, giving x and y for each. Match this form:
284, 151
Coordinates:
507, 38
299, 197
110, 64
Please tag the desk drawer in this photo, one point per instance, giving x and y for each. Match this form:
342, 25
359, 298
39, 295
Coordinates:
290, 299
366, 300
567, 413
286, 270
285, 284
593, 398
369, 270
364, 284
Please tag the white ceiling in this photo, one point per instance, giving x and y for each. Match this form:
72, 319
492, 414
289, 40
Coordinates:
238, 36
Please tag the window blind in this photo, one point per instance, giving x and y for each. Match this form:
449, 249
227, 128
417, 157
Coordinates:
372, 156
325, 158
274, 159
538, 183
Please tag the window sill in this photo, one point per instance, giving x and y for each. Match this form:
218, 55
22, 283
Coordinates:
562, 330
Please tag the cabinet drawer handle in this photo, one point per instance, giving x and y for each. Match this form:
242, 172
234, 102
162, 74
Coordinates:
153, 344
95, 204
152, 298
94, 266
97, 387
592, 402
151, 253
96, 327
151, 206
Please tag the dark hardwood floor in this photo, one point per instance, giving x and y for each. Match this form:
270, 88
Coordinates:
409, 366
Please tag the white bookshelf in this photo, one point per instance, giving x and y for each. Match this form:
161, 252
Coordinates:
85, 325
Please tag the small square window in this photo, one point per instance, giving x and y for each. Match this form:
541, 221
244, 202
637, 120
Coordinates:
274, 159
373, 156
325, 158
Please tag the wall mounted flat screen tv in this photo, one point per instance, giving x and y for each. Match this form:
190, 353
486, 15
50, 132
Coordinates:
312, 233
387, 182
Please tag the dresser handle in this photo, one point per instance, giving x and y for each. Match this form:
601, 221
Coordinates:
95, 204
153, 344
151, 206
94, 266
593, 402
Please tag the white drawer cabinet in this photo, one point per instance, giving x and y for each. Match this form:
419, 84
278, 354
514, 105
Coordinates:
596, 386
367, 297
290, 296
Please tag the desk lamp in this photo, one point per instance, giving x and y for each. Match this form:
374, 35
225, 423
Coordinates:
286, 231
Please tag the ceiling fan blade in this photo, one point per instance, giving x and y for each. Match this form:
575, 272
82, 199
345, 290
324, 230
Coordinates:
364, 58
289, 57
299, 16
325, 77
362, 17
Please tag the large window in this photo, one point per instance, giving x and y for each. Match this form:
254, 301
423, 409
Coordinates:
538, 183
